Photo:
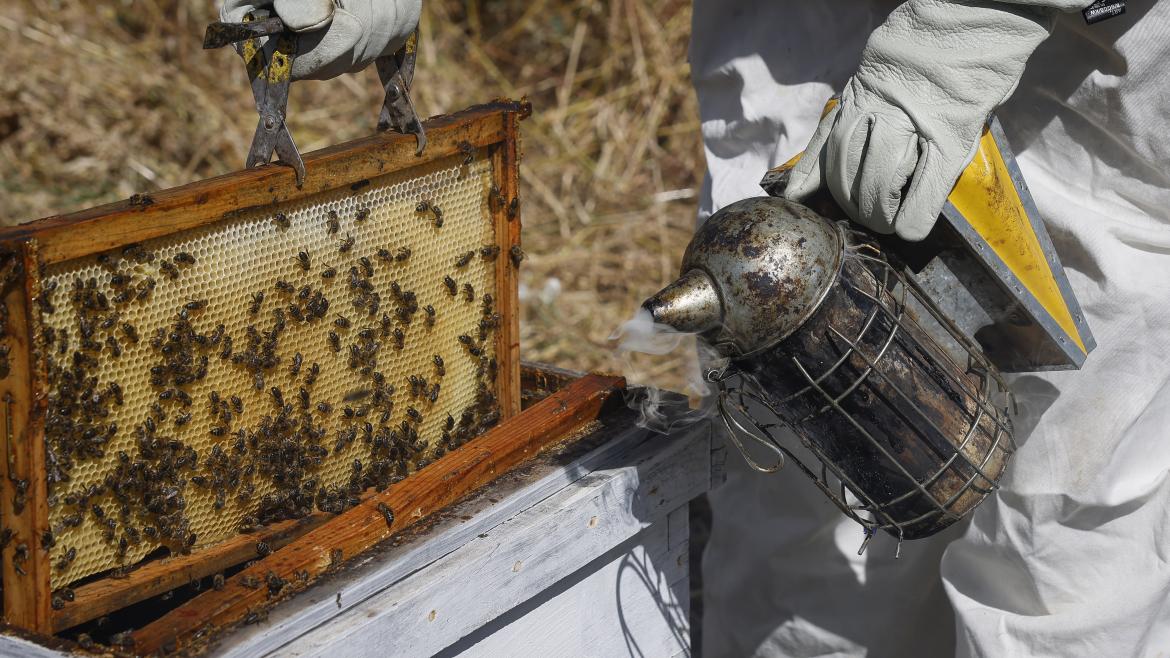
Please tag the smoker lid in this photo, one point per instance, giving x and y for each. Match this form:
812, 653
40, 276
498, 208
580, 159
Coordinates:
771, 261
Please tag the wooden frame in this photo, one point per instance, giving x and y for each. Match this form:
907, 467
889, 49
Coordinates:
25, 565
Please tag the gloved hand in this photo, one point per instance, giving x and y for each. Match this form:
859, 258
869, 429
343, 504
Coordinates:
909, 120
336, 36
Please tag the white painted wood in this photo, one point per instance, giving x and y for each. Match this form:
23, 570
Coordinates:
16, 647
634, 604
511, 564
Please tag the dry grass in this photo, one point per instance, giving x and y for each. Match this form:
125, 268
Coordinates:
104, 98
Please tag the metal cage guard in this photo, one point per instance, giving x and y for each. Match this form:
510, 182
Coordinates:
743, 399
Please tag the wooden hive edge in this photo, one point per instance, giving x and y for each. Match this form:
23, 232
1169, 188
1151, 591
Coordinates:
23, 495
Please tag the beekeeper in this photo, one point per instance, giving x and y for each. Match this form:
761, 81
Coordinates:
1072, 556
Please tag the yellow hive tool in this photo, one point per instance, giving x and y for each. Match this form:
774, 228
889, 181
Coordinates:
990, 264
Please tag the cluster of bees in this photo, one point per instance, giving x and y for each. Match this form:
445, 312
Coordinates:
142, 494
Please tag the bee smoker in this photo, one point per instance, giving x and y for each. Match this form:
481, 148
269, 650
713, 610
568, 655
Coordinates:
882, 358
824, 336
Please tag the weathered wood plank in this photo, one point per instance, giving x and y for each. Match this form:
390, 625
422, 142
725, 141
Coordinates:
104, 596
351, 533
148, 216
22, 471
505, 567
14, 646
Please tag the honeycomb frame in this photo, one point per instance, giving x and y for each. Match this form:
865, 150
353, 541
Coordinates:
381, 262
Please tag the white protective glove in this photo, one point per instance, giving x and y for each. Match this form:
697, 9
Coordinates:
909, 119
336, 36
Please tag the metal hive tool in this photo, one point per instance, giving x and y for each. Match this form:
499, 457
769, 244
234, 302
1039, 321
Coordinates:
270, 364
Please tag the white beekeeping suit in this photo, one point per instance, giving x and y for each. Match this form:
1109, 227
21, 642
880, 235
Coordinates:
1071, 557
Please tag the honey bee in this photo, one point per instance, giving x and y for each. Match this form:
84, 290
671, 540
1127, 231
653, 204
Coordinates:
430, 311
362, 215
195, 305
305, 261
367, 266
346, 244
489, 252
517, 254
168, 268
386, 513
402, 254
342, 322
463, 260
332, 222
295, 368
334, 341
452, 287
468, 152
329, 272
281, 220
184, 258
440, 369
468, 292
65, 560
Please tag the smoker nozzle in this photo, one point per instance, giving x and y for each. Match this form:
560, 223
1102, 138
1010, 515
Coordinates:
690, 304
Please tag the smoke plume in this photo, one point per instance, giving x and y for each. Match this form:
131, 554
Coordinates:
665, 411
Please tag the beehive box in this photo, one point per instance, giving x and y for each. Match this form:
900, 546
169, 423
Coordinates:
193, 364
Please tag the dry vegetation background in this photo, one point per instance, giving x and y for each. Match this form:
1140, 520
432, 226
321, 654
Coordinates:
103, 98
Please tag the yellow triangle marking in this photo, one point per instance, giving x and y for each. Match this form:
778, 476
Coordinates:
987, 197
